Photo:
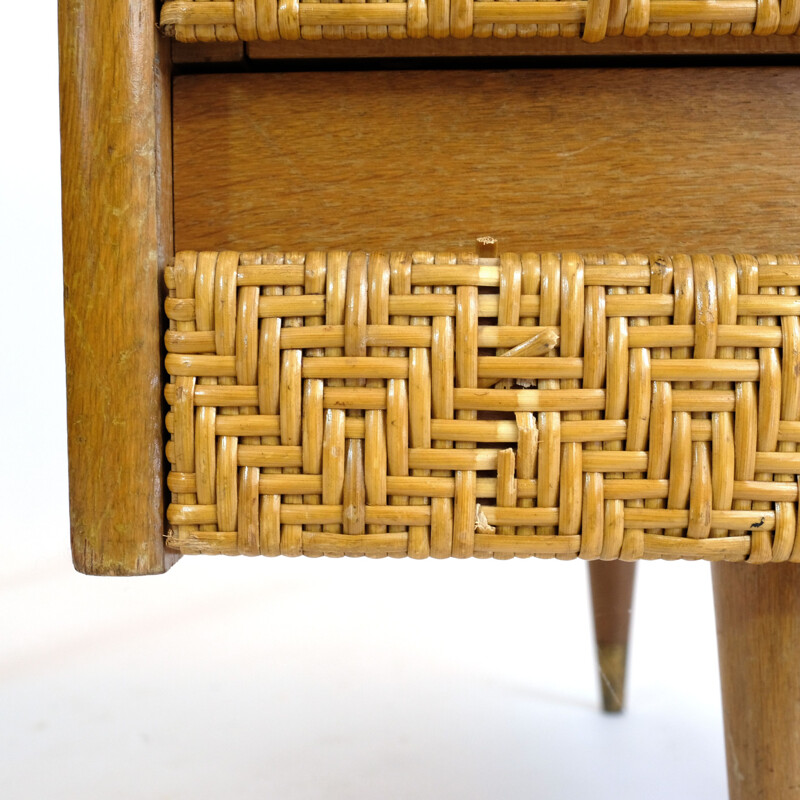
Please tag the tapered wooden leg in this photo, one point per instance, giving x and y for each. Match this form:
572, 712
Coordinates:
758, 631
612, 601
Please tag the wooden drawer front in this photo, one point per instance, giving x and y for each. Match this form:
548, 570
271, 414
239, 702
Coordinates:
644, 160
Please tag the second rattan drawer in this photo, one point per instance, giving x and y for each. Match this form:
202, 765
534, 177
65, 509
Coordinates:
381, 404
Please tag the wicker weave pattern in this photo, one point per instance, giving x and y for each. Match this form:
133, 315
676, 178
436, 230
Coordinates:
441, 405
270, 20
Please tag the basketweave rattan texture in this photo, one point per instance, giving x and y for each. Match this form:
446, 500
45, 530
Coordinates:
593, 20
421, 404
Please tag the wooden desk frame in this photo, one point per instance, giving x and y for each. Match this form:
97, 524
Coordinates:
116, 135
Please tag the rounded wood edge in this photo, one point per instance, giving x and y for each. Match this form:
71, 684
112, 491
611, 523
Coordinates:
117, 233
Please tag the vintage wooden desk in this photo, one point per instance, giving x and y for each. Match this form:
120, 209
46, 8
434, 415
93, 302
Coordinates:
348, 373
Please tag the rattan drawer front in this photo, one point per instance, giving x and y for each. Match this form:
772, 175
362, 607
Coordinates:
420, 404
593, 20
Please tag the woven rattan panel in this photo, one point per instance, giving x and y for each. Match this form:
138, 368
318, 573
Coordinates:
442, 405
270, 20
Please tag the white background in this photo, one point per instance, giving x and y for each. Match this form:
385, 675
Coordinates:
294, 679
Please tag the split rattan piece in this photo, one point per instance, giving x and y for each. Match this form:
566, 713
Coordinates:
420, 404
593, 20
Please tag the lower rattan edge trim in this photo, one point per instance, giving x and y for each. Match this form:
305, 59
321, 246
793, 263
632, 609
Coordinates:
633, 547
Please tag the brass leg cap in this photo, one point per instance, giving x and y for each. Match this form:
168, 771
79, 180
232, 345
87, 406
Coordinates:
611, 660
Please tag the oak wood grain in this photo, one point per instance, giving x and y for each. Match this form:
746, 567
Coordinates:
535, 46
758, 632
115, 134
638, 159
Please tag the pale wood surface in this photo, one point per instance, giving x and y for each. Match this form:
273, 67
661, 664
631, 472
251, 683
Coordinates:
758, 630
612, 606
538, 46
544, 159
115, 126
